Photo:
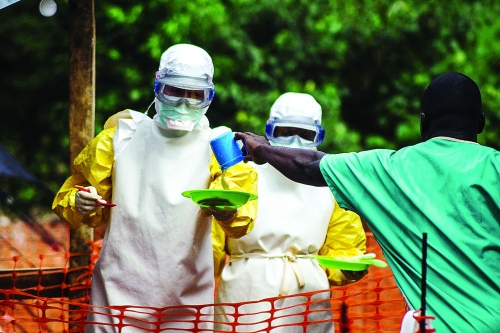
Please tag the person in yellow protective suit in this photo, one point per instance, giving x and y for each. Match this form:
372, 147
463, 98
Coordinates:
157, 249
276, 257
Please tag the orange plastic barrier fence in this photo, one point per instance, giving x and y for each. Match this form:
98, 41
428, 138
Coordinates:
371, 305
34, 297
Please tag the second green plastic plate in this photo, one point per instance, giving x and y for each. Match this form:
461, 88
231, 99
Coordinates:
349, 264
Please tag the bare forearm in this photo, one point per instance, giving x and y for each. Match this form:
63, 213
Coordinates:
299, 165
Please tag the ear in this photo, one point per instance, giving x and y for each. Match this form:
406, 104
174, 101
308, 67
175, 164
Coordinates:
482, 122
424, 126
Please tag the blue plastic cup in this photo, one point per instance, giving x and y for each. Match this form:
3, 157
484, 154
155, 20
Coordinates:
227, 150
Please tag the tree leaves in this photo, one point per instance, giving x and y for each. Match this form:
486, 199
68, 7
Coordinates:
366, 62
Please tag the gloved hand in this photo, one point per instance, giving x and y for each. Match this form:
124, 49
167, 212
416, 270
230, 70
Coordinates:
357, 275
85, 202
221, 214
354, 275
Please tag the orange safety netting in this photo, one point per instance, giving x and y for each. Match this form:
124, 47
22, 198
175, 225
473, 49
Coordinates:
35, 291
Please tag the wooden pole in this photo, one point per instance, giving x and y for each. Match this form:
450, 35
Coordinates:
81, 111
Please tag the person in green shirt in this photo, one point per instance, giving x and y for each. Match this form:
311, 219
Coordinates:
446, 186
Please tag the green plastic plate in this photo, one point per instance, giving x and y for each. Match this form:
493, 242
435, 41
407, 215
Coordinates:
349, 264
219, 198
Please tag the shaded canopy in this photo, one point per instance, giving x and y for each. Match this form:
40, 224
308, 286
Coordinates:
11, 167
5, 3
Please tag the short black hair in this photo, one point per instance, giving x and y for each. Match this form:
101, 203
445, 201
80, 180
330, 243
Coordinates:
453, 97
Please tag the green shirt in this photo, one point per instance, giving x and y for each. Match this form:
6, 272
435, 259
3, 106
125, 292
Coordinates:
449, 189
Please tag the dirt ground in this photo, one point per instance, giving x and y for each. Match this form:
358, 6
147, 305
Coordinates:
25, 241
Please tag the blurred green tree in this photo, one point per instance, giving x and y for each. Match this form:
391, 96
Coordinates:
366, 62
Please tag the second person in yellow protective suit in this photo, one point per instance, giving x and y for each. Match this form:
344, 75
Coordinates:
295, 222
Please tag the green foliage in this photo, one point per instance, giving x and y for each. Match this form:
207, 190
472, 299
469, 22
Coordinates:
366, 62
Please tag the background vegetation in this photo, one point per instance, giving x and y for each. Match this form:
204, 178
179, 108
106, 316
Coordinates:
366, 62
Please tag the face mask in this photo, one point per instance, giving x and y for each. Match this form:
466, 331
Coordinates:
294, 143
177, 117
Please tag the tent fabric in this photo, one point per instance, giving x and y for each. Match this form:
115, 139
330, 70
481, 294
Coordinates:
5, 3
10, 167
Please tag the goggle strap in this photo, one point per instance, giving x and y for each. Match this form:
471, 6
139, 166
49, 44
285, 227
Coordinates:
163, 74
211, 91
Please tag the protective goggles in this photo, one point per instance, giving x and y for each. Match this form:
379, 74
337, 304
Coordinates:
285, 130
195, 93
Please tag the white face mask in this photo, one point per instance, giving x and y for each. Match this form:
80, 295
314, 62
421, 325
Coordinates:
294, 144
177, 117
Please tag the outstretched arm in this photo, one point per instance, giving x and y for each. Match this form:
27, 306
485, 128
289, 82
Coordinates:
299, 165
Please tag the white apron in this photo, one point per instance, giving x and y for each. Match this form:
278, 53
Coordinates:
157, 250
291, 216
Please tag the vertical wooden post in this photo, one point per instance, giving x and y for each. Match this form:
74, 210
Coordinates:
81, 110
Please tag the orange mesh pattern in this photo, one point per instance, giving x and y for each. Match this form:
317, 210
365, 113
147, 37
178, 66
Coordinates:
373, 304
367, 311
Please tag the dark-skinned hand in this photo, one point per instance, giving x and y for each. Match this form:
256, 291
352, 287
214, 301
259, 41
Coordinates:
354, 275
252, 142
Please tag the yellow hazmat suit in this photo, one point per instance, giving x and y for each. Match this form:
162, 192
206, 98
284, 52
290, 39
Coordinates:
295, 223
157, 249
293, 219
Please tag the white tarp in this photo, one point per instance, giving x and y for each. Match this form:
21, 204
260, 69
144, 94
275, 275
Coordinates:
5, 3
